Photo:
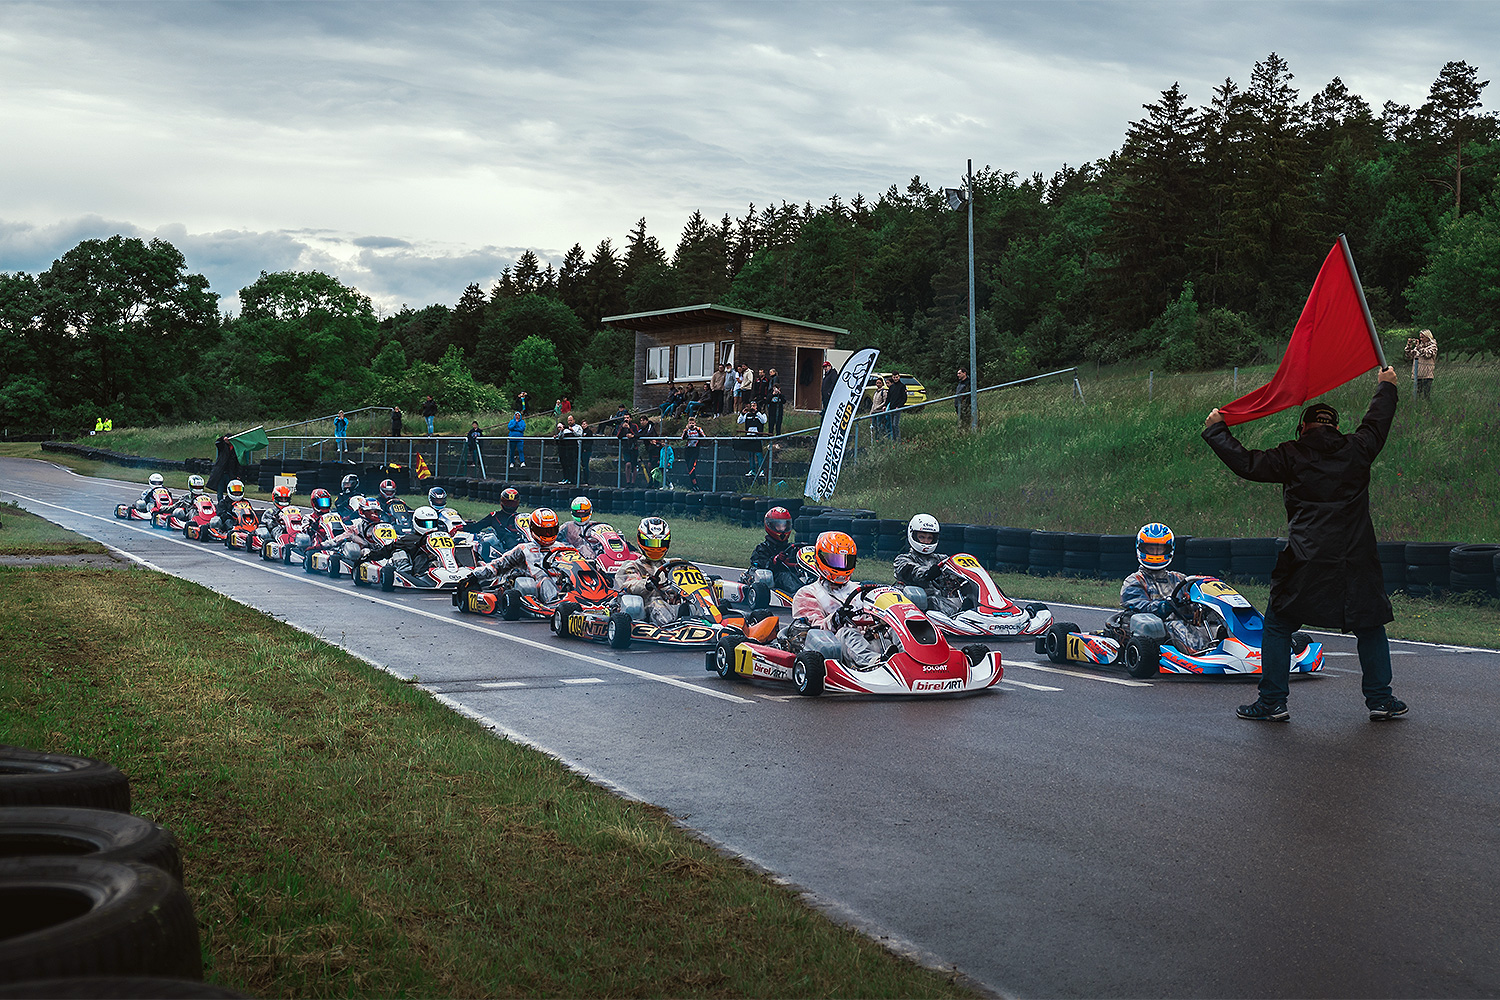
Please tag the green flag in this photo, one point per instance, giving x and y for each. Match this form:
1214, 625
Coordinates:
247, 441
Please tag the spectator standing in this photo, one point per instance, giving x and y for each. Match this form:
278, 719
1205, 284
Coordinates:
515, 448
690, 436
557, 409
586, 445
745, 387
563, 439
574, 434
650, 445
1422, 350
830, 379
471, 447
567, 406
895, 398
628, 434
1329, 574
716, 392
429, 413
775, 405
961, 399
731, 387
341, 434
395, 421
754, 423
761, 389
877, 405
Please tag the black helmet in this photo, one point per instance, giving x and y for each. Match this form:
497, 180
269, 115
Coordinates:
349, 484
510, 500
437, 497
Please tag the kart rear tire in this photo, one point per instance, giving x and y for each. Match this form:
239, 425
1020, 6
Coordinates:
387, 578
618, 630
723, 657
356, 574
562, 616
1142, 658
307, 563
1054, 642
1300, 641
286, 555
333, 566
510, 605
808, 673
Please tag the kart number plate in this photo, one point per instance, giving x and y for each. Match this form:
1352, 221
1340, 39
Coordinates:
1076, 648
1224, 592
385, 532
688, 578
440, 541
967, 562
744, 660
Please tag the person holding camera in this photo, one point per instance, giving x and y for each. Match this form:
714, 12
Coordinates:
754, 423
1422, 349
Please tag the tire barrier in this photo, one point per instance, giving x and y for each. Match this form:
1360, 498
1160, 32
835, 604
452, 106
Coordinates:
81, 916
117, 988
92, 833
202, 466
1427, 570
1471, 568
30, 778
1081, 554
1047, 549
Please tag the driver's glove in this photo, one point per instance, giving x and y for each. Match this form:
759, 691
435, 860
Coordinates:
1161, 609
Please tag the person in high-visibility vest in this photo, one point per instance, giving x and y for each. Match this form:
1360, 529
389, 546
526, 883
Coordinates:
109, 424
98, 424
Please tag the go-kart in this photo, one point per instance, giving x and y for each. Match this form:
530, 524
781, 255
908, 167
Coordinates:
244, 529
987, 613
702, 620
614, 550
319, 558
289, 539
799, 560
200, 526
398, 514
1227, 627
159, 502
576, 580
914, 656
439, 569
177, 517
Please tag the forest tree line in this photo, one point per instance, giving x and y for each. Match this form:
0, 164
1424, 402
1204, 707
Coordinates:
1194, 244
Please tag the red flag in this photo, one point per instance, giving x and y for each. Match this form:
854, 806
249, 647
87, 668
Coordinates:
1333, 343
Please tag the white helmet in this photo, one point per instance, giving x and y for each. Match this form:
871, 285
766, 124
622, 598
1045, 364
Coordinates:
426, 520
156, 480
922, 534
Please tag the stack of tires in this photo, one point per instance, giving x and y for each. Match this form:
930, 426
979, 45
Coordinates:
1080, 554
1047, 549
1427, 567
1253, 559
1012, 550
1392, 565
1117, 558
93, 896
1471, 569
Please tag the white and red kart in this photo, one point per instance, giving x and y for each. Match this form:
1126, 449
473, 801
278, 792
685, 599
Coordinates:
916, 659
614, 550
159, 502
988, 613
442, 571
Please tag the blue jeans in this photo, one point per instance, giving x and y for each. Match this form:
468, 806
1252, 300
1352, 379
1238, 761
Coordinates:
516, 451
1276, 661
429, 425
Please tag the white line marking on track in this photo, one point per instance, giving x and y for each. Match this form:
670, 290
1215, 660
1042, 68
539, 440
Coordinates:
1122, 681
502, 684
582, 680
274, 570
1029, 687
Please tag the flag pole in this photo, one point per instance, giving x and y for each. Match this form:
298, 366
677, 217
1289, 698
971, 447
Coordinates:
1363, 305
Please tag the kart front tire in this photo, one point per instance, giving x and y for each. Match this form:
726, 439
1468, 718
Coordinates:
723, 657
1055, 642
286, 556
1142, 657
808, 673
618, 630
387, 578
1300, 641
975, 653
510, 605
333, 566
562, 616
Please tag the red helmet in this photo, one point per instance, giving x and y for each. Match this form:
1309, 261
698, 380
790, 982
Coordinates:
510, 500
368, 509
322, 500
544, 526
779, 523
281, 496
388, 489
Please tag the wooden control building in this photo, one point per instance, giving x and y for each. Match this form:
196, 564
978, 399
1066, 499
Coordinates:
685, 345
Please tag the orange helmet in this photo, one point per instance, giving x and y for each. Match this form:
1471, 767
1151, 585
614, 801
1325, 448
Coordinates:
281, 496
836, 557
544, 526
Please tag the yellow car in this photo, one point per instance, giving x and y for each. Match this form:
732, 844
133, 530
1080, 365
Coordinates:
915, 391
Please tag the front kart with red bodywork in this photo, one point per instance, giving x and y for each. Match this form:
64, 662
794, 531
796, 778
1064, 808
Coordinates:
913, 656
159, 502
200, 526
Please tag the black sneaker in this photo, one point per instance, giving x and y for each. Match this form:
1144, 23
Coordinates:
1391, 708
1259, 711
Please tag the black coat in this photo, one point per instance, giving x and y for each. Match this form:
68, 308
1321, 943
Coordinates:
1329, 573
830, 379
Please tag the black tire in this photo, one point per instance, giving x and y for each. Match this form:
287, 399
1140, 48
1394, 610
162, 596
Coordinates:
86, 917
307, 563
387, 578
1054, 641
286, 555
1300, 641
92, 833
561, 616
263, 556
1142, 657
334, 565
510, 605
118, 988
356, 576
723, 656
808, 673
974, 652
28, 778
618, 630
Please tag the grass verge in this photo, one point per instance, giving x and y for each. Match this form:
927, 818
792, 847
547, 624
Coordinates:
22, 533
346, 835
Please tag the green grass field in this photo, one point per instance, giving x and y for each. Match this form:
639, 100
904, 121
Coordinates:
22, 533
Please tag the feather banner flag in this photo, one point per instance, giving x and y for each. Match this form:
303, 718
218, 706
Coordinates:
1333, 342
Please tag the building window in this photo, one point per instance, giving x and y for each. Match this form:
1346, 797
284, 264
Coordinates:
657, 359
726, 352
693, 362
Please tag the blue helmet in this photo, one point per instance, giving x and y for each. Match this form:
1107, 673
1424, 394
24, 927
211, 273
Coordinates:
437, 497
1154, 546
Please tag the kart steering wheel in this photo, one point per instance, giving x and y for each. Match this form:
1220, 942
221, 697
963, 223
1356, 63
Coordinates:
1182, 606
844, 613
652, 583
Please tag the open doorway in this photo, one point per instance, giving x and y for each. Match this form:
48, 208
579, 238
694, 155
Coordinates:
809, 394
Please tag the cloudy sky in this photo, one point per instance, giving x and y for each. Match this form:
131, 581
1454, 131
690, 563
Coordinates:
412, 148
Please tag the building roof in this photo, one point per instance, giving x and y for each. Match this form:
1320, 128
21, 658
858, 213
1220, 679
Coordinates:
660, 319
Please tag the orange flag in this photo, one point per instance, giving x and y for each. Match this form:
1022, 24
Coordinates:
423, 472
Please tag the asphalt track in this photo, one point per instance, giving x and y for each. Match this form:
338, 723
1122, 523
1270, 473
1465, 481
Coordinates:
1075, 833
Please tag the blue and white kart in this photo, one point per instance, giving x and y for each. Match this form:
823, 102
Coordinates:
1212, 629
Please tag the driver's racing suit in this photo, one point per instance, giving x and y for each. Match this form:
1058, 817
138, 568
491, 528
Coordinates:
503, 523
578, 536
358, 537
777, 557
817, 601
663, 603
924, 571
1150, 591
528, 559
412, 545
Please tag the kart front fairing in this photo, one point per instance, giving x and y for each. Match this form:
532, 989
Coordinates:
441, 572
1238, 648
994, 615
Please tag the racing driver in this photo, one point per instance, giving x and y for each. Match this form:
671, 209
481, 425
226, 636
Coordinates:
1149, 589
528, 557
409, 552
921, 565
503, 521
814, 604
154, 483
575, 532
344, 503
776, 553
663, 603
